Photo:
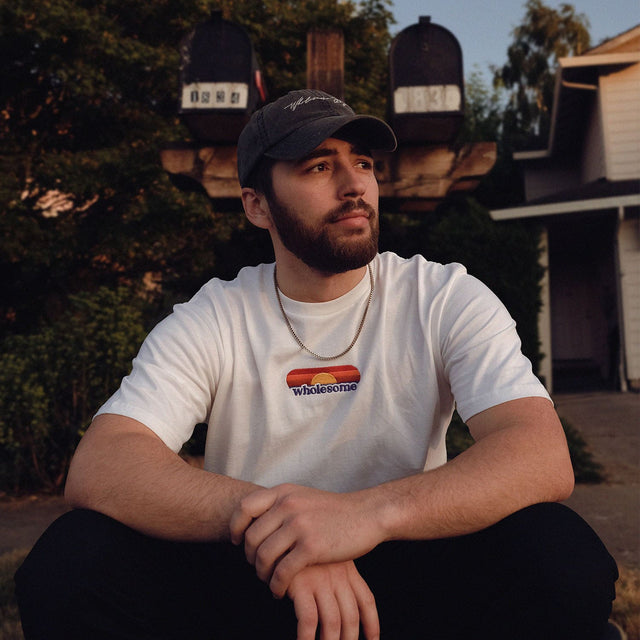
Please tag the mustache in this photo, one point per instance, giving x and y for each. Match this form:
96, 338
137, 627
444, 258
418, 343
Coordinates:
348, 207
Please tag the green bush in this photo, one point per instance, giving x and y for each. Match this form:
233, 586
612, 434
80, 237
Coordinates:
458, 437
52, 381
585, 467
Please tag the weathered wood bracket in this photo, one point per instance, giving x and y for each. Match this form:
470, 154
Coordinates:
413, 178
418, 178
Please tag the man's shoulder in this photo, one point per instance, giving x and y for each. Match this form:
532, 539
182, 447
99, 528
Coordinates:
248, 279
430, 282
395, 265
218, 297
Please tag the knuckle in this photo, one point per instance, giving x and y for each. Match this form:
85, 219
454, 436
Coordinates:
351, 618
308, 617
262, 560
289, 502
243, 506
308, 549
251, 537
279, 576
331, 622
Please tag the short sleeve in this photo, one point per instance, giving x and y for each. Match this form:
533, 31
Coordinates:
173, 379
481, 350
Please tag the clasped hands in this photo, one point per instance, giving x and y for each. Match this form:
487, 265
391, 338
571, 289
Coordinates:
302, 542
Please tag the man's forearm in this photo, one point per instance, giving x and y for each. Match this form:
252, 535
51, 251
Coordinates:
520, 458
124, 471
505, 470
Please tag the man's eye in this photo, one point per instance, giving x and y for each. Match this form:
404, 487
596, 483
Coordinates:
365, 164
319, 168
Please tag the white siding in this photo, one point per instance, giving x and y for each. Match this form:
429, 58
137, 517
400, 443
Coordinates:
629, 256
621, 118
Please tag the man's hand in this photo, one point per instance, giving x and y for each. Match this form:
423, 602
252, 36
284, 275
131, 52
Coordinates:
288, 528
335, 598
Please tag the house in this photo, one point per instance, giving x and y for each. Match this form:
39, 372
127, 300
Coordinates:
584, 192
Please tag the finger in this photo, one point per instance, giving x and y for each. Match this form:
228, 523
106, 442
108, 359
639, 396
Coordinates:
259, 534
286, 566
349, 614
304, 605
271, 554
250, 507
366, 602
328, 614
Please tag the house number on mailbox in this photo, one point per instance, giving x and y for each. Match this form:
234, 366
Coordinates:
215, 95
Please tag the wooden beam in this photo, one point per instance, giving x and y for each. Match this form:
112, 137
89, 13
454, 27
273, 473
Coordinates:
411, 178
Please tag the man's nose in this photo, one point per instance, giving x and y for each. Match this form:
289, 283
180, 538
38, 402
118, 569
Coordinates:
353, 182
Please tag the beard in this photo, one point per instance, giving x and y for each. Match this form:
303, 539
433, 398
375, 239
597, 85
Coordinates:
319, 246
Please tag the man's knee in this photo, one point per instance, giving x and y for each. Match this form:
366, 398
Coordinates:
555, 543
563, 564
90, 576
57, 581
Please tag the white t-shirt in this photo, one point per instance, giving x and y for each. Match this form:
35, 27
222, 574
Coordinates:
433, 336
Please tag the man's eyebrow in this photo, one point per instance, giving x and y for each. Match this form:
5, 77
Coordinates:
358, 149
325, 152
322, 152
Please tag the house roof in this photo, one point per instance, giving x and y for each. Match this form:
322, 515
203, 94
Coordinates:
577, 78
601, 195
627, 40
577, 81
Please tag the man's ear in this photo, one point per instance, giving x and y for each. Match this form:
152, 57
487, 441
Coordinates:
256, 208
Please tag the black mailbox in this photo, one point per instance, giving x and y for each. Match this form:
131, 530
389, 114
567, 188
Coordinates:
427, 84
220, 82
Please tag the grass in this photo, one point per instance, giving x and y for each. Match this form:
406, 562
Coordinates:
10, 628
626, 606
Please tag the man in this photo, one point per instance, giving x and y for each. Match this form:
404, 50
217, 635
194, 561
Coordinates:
327, 380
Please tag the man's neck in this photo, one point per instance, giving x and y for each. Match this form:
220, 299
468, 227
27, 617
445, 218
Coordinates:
298, 281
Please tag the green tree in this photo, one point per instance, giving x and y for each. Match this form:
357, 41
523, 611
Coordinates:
545, 36
484, 121
53, 380
483, 110
279, 30
88, 99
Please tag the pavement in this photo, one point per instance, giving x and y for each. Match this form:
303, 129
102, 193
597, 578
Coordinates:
608, 421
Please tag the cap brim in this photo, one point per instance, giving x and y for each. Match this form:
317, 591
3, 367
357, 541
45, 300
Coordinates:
375, 134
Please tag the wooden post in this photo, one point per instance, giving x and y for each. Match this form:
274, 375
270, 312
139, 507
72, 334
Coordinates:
325, 61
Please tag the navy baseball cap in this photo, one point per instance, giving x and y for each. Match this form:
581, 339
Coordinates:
295, 124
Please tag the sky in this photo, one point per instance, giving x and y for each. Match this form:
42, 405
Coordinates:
484, 29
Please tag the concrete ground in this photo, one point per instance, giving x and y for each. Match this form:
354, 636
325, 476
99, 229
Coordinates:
609, 422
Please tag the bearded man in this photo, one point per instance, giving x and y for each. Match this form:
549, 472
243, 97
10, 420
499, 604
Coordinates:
326, 503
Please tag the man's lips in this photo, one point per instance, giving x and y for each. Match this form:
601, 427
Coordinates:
357, 213
353, 210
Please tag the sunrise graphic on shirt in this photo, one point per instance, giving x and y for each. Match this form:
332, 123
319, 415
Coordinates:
323, 380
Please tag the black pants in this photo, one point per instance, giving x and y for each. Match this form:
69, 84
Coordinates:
541, 574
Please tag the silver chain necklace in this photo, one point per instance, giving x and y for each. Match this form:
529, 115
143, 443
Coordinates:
297, 339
